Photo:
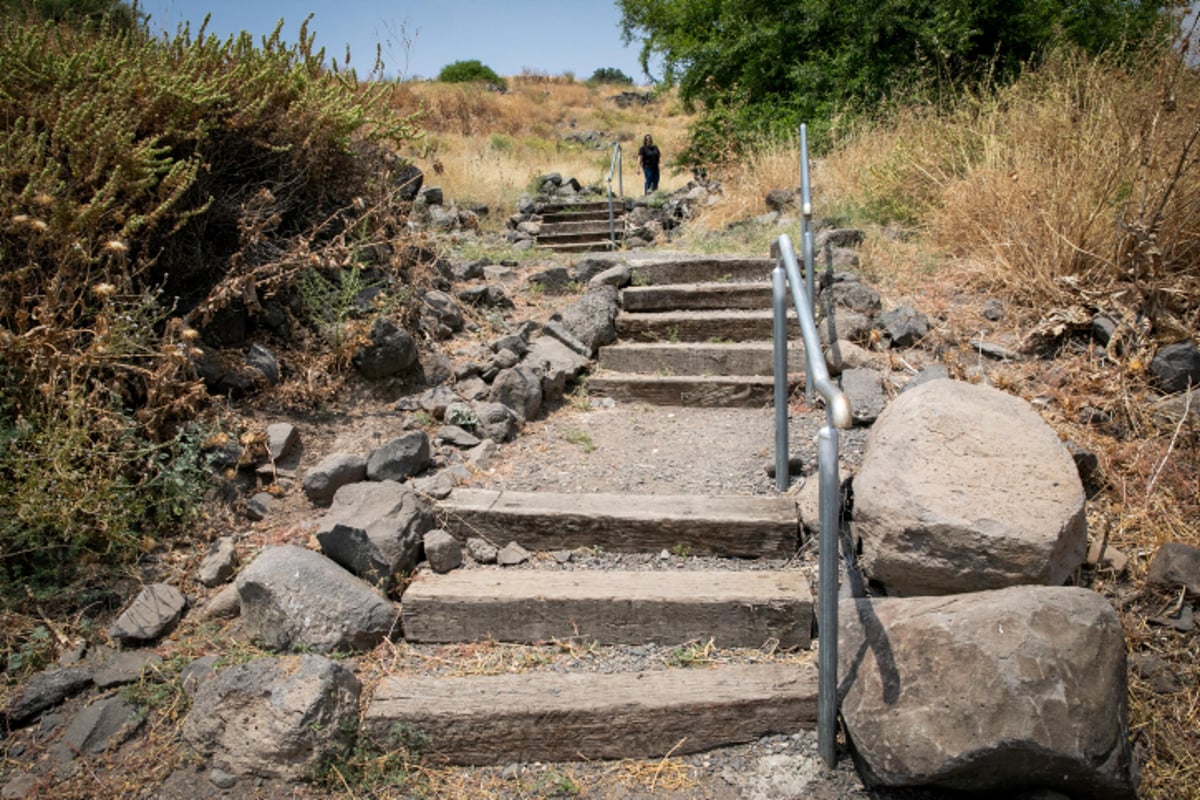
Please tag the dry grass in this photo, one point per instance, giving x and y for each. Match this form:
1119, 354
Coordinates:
487, 147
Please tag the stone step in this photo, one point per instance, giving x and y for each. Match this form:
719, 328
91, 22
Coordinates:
694, 391
595, 245
590, 212
698, 358
702, 326
733, 526
597, 226
659, 269
696, 296
547, 716
731, 608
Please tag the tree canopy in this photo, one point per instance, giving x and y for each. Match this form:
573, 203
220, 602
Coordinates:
471, 71
117, 12
763, 66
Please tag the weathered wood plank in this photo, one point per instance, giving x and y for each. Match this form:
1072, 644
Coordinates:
734, 609
742, 391
547, 716
726, 358
660, 269
697, 296
702, 326
735, 526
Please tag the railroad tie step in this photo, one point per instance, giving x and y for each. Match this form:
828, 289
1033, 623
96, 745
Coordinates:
734, 526
730, 608
548, 716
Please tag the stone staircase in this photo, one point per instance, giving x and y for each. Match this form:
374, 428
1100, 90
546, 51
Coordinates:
696, 332
581, 227
553, 716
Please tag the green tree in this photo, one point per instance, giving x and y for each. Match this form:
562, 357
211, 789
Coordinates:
472, 71
610, 75
762, 66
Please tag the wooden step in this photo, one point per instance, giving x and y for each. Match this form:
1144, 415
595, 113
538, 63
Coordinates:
732, 608
696, 296
734, 526
702, 326
665, 268
698, 358
693, 391
546, 716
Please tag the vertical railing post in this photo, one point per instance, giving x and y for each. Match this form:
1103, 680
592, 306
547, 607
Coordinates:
806, 243
827, 595
779, 300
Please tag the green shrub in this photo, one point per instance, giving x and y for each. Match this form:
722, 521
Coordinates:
472, 71
610, 75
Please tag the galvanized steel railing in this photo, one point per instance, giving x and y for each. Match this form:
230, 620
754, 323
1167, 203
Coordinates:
837, 414
617, 168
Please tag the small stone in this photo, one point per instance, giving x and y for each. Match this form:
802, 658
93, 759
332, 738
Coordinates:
1175, 564
511, 555
153, 613
442, 551
221, 779
562, 556
124, 667
480, 551
260, 506
282, 438
217, 566
664, 556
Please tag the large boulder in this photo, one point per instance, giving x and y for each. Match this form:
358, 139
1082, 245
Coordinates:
1020, 688
375, 530
592, 318
964, 488
519, 388
295, 598
400, 458
274, 717
332, 473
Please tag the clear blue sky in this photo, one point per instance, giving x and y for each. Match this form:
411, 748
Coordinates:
550, 36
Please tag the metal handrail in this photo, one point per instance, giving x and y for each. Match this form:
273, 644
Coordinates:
837, 415
617, 166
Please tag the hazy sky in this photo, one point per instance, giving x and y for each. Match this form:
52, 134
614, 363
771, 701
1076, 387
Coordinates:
550, 36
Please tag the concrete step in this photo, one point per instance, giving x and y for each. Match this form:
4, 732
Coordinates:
696, 296
711, 391
667, 268
580, 213
547, 716
596, 245
733, 526
731, 608
702, 326
697, 358
598, 226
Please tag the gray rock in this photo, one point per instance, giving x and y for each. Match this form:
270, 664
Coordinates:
197, 672
407, 179
520, 389
282, 438
375, 529
487, 296
935, 372
444, 313
263, 360
856, 296
431, 195
552, 281
592, 318
481, 550
497, 421
102, 725
903, 326
45, 690
260, 506
20, 786
1176, 564
293, 598
224, 604
473, 388
864, 390
274, 717
993, 310
989, 691
844, 354
218, 564
152, 614
400, 458
560, 364
435, 487
442, 551
452, 434
935, 514
512, 554
995, 350
125, 666
390, 351
483, 456
332, 473
781, 200
1176, 367
837, 237
849, 325
1171, 410
555, 330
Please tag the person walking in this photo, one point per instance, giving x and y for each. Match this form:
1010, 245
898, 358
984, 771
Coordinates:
648, 158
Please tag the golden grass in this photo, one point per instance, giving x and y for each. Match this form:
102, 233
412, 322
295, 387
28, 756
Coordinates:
487, 147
